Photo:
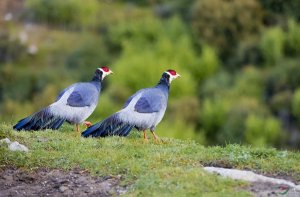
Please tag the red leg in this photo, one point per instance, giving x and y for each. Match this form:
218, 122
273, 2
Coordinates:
154, 136
77, 128
145, 136
87, 124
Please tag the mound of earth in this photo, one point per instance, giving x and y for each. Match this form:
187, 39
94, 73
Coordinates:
44, 182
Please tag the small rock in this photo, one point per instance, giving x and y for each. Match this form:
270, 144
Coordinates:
16, 146
32, 49
5, 140
68, 193
23, 37
8, 16
63, 188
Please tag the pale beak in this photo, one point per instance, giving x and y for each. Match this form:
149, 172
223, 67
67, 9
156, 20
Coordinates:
178, 75
111, 72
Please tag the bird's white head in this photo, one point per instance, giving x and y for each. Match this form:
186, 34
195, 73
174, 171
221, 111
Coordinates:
172, 75
105, 71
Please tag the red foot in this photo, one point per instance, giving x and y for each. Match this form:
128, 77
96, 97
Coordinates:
87, 124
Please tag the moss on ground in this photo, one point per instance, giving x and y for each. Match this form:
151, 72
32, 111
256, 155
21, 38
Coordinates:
172, 167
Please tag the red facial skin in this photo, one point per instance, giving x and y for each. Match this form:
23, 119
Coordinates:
105, 69
172, 72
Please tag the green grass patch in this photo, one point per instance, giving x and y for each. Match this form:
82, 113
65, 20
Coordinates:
173, 167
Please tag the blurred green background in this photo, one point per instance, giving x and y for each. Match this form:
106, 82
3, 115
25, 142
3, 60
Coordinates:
239, 61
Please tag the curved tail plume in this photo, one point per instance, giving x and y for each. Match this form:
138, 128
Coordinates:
108, 127
43, 119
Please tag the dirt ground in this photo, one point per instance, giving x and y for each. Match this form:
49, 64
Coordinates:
15, 182
268, 189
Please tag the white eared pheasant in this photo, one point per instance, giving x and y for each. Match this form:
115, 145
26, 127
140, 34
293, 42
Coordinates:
74, 105
143, 110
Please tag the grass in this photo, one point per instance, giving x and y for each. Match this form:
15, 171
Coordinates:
173, 167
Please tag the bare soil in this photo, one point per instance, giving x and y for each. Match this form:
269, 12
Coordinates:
44, 182
268, 189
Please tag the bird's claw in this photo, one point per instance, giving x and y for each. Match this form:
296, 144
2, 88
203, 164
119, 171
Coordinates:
87, 124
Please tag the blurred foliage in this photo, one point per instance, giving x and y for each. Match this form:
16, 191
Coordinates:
223, 24
261, 131
282, 9
293, 38
272, 45
296, 103
10, 48
62, 13
87, 56
239, 62
168, 46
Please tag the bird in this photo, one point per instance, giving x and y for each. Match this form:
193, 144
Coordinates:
143, 110
74, 105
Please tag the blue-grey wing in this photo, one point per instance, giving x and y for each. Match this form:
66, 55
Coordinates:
76, 99
149, 104
130, 98
83, 95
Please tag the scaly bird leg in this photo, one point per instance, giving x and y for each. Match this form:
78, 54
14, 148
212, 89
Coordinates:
87, 124
145, 136
155, 136
77, 128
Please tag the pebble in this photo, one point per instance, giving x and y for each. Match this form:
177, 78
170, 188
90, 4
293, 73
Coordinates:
5, 140
63, 188
16, 146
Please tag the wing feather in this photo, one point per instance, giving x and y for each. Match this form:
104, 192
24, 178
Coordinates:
149, 103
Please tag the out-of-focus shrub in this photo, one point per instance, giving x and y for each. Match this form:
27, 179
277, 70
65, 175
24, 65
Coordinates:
285, 76
15, 84
217, 85
46, 96
296, 103
179, 129
247, 52
281, 101
223, 23
10, 49
167, 46
213, 116
233, 129
57, 12
262, 131
208, 64
293, 39
281, 8
228, 103
89, 56
185, 109
272, 45
281, 82
249, 82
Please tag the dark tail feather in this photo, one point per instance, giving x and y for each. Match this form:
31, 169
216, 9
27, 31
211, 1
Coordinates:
56, 123
108, 127
41, 120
